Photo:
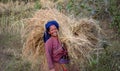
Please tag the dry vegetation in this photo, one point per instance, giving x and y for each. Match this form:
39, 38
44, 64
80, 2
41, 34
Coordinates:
21, 42
78, 35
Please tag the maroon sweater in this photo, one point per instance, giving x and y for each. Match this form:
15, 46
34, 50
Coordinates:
54, 51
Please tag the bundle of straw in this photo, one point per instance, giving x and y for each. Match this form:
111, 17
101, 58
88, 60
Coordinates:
80, 37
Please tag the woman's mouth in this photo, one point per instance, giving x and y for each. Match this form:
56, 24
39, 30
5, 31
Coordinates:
55, 34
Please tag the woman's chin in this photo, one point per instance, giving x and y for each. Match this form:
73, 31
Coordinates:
55, 35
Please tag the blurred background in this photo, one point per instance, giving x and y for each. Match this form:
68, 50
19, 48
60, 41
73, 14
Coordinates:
14, 12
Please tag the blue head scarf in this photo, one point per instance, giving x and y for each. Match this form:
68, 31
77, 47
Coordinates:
47, 26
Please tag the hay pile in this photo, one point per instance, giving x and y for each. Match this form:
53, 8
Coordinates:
80, 37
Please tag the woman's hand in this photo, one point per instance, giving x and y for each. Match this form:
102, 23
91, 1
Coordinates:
52, 69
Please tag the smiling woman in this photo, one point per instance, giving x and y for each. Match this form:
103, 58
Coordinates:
55, 52
53, 31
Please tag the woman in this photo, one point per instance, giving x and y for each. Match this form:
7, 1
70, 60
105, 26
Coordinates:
56, 55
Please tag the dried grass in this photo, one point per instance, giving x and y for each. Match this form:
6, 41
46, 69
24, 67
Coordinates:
80, 37
47, 4
14, 7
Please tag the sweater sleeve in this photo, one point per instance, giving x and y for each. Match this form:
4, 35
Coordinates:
48, 51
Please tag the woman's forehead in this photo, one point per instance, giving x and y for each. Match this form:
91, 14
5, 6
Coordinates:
52, 26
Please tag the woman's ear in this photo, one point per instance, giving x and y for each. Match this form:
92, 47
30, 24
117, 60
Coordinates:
49, 32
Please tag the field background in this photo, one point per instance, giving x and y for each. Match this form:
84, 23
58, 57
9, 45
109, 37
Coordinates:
14, 12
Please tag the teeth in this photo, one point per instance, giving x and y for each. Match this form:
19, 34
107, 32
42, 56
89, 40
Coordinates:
55, 33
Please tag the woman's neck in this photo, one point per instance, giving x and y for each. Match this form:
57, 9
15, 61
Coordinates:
56, 37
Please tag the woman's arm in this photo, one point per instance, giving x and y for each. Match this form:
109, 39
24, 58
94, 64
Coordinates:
48, 51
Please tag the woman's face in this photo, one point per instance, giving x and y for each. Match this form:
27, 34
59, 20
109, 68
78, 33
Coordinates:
53, 31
